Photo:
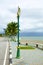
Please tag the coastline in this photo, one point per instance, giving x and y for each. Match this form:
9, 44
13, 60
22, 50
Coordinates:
25, 40
31, 40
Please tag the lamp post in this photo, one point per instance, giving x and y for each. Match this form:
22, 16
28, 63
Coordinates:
18, 50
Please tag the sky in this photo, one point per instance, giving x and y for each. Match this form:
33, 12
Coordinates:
31, 16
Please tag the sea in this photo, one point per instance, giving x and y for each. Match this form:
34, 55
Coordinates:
31, 35
32, 38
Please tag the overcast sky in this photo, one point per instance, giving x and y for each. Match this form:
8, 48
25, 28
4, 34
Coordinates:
31, 17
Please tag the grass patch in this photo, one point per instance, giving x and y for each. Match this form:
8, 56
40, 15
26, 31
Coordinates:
26, 47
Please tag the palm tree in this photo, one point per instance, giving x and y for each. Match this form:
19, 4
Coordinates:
12, 29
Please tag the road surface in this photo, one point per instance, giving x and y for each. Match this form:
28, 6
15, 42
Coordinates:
3, 51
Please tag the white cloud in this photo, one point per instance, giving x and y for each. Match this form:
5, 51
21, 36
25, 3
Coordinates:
40, 25
31, 13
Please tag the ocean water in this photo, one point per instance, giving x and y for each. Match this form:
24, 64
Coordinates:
32, 37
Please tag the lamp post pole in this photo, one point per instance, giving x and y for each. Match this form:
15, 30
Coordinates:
18, 30
18, 49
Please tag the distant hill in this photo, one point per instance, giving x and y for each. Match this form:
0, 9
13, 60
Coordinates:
31, 33
27, 33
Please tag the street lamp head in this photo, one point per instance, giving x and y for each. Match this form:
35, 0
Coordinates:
18, 12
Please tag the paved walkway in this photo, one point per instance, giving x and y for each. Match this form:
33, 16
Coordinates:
28, 57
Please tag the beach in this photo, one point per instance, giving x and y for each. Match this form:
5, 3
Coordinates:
30, 40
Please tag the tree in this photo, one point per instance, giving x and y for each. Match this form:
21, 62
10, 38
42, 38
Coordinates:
12, 29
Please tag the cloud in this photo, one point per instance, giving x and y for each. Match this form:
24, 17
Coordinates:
31, 17
32, 13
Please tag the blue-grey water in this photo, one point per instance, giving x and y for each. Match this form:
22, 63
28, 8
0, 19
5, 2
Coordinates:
32, 38
31, 35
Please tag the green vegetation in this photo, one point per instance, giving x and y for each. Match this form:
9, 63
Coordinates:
12, 29
26, 47
0, 35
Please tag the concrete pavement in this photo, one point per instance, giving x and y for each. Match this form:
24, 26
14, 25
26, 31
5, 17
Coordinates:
28, 57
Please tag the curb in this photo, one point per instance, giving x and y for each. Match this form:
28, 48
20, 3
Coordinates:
10, 56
